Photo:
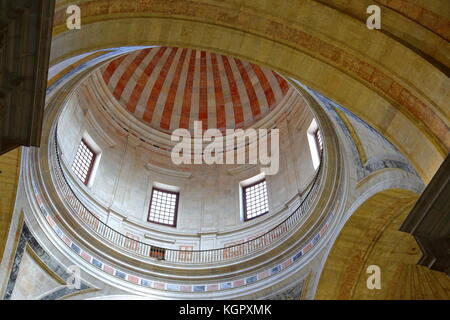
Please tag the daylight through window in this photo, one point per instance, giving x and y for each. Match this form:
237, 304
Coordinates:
255, 200
163, 207
84, 162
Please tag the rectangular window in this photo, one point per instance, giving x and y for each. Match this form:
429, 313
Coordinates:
163, 207
255, 200
84, 162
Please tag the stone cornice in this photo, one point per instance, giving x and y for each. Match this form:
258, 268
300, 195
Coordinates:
164, 171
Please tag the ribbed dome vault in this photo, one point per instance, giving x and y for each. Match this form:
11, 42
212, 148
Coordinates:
170, 88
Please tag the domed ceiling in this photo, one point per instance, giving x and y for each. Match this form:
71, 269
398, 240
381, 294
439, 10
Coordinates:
170, 88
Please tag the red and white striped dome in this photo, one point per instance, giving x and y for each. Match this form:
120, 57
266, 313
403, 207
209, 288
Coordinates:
170, 88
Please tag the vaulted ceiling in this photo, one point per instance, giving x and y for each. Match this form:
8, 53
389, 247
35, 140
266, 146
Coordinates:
170, 88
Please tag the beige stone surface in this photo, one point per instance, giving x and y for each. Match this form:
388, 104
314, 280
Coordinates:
371, 237
33, 279
396, 80
209, 195
9, 176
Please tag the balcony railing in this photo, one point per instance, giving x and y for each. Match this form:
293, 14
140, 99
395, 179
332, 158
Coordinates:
180, 256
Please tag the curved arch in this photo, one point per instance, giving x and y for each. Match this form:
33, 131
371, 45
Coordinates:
9, 174
372, 80
371, 237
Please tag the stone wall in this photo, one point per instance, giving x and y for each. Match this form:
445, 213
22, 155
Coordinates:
9, 176
209, 195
